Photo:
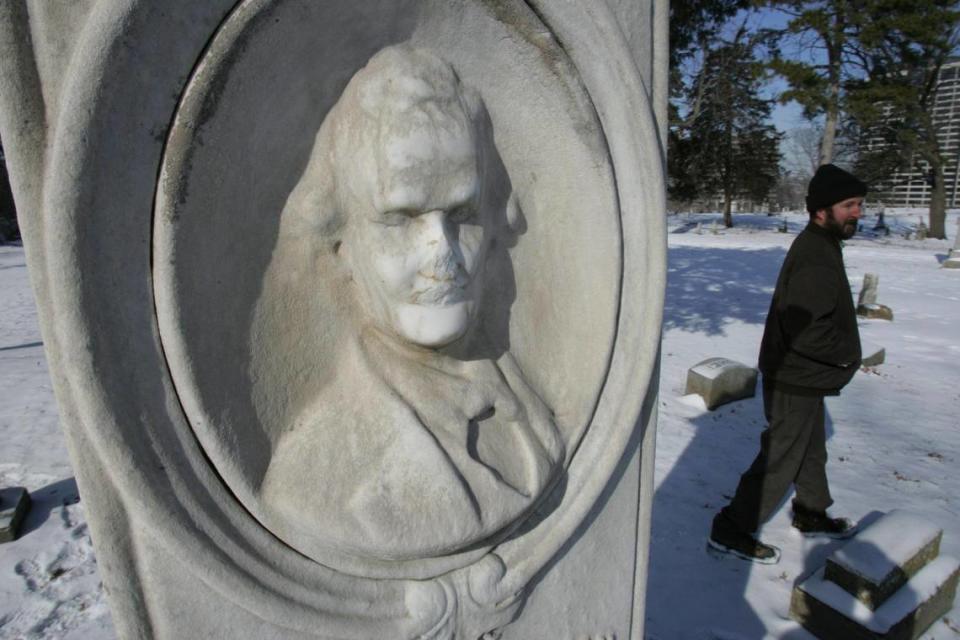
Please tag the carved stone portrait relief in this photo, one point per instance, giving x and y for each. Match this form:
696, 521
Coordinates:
388, 260
352, 307
427, 440
417, 356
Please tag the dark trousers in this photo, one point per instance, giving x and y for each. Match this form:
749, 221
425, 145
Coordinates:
793, 450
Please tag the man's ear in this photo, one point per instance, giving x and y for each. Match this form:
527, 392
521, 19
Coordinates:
820, 217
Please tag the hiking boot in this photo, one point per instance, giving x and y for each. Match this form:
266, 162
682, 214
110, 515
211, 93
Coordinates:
726, 538
815, 524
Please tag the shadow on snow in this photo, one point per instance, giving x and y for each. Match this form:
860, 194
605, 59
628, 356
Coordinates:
708, 287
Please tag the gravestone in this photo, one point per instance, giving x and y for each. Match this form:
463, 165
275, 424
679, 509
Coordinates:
14, 504
352, 308
720, 381
867, 306
887, 582
873, 355
953, 259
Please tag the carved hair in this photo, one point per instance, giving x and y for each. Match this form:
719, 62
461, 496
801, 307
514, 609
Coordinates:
401, 88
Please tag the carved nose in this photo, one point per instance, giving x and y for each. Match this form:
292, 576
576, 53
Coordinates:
446, 257
435, 225
439, 234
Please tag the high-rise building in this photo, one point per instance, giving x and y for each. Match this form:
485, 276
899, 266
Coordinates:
911, 188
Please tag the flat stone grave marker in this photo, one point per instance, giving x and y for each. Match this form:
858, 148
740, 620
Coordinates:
721, 380
872, 354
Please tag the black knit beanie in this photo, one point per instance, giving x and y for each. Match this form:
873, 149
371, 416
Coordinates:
831, 184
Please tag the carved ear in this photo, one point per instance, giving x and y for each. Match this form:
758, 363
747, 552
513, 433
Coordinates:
516, 221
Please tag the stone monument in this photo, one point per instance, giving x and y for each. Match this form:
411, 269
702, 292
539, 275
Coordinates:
953, 258
352, 308
867, 305
720, 381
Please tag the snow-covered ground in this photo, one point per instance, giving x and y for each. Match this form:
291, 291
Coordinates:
49, 585
894, 437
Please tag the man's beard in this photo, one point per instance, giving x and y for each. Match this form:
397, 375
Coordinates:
843, 231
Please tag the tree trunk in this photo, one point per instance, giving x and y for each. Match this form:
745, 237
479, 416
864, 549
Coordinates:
829, 128
834, 43
727, 207
938, 205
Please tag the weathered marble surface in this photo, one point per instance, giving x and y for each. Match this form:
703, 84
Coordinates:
352, 308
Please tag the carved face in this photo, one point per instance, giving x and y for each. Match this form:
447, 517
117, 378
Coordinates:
415, 241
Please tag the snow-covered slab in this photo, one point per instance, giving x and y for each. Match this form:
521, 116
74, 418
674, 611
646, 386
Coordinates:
881, 558
721, 380
828, 612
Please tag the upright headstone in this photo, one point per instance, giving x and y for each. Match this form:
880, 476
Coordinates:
867, 306
881, 224
14, 504
953, 259
352, 307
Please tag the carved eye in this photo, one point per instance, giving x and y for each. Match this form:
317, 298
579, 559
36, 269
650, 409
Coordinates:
461, 214
395, 218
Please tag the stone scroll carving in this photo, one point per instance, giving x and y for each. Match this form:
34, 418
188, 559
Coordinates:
352, 307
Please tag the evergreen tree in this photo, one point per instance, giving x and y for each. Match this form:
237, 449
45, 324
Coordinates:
824, 34
696, 22
694, 25
727, 146
905, 44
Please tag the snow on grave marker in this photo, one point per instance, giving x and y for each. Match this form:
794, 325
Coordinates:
867, 306
14, 504
881, 559
721, 380
885, 583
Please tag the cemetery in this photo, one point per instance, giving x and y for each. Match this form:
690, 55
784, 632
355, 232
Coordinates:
390, 320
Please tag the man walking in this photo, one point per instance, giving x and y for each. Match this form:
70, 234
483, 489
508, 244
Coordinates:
810, 349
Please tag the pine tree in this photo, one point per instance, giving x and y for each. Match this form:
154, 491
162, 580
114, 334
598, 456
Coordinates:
727, 146
824, 34
905, 44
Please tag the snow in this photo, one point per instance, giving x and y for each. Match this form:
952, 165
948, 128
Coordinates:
713, 368
894, 437
886, 545
918, 590
49, 585
893, 434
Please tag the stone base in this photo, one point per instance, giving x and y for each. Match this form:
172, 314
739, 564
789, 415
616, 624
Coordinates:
953, 262
14, 504
875, 564
719, 381
875, 311
829, 612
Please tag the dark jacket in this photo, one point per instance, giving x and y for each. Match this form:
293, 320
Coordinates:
811, 344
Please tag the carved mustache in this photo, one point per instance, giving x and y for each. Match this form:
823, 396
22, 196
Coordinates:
442, 280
